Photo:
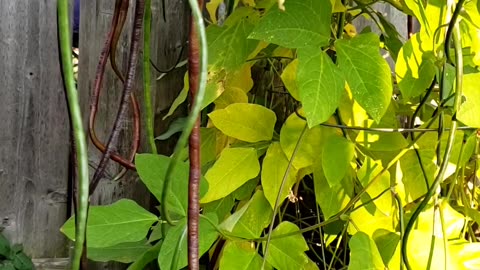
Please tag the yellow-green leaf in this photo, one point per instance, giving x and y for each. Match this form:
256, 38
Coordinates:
274, 169
470, 109
336, 156
234, 167
246, 122
289, 78
364, 253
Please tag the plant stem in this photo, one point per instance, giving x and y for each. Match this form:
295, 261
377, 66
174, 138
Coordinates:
147, 26
77, 127
451, 136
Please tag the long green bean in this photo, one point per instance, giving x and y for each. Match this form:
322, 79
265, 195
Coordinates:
78, 131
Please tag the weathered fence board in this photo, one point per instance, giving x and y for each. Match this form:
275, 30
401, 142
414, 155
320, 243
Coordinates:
34, 131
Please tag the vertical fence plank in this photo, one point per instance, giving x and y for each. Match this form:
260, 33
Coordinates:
34, 136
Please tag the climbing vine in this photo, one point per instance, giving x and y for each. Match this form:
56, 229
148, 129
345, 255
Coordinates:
322, 146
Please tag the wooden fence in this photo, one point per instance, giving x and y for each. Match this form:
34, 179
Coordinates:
34, 127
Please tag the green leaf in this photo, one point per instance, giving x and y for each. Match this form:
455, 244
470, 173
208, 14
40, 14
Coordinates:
176, 126
287, 252
152, 170
331, 199
146, 257
320, 83
364, 253
392, 39
240, 256
387, 244
4, 246
289, 78
246, 122
108, 225
419, 249
251, 219
234, 167
415, 66
412, 176
22, 262
123, 252
207, 236
221, 207
182, 96
336, 156
228, 46
274, 168
208, 145
7, 265
367, 73
470, 108
310, 145
367, 173
303, 23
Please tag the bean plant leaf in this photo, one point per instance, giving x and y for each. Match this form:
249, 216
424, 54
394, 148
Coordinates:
303, 23
228, 46
470, 109
466, 254
152, 171
246, 122
251, 219
109, 225
336, 156
240, 256
418, 250
364, 253
123, 252
289, 78
367, 73
274, 169
310, 145
287, 252
320, 84
387, 244
147, 257
233, 168
331, 199
373, 171
415, 66
207, 236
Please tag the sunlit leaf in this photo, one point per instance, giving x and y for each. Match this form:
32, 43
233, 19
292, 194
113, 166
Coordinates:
230, 96
250, 220
415, 66
287, 252
289, 78
364, 253
233, 168
419, 249
303, 23
320, 84
429, 221
274, 169
246, 122
466, 254
336, 156
470, 109
366, 72
387, 244
109, 225
240, 256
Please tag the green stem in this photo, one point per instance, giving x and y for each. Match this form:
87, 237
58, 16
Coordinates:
279, 198
196, 108
147, 26
451, 138
77, 127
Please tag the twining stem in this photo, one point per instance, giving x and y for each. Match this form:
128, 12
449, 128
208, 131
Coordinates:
127, 91
451, 135
77, 127
194, 147
149, 123
194, 113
